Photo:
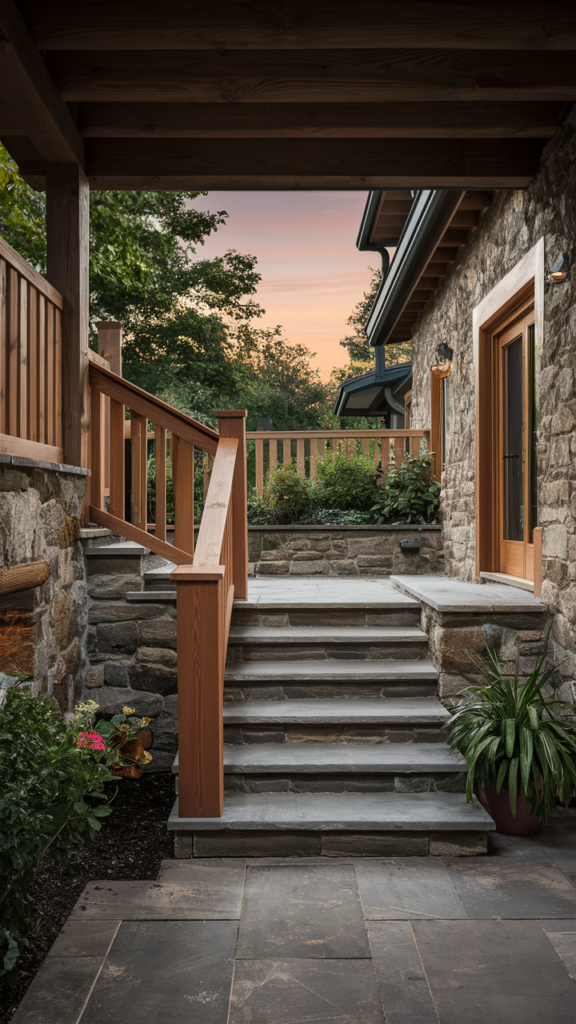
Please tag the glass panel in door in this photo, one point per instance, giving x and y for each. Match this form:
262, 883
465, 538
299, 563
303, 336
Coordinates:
513, 427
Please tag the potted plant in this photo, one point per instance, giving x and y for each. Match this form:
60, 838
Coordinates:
519, 745
119, 742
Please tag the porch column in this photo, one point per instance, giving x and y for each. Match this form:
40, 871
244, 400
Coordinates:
68, 233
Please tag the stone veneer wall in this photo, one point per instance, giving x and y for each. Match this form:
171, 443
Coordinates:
343, 550
513, 223
42, 630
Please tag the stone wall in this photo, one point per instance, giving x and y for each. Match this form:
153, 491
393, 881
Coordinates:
42, 630
511, 226
343, 550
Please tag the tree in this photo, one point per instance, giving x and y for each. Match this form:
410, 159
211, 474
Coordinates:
361, 354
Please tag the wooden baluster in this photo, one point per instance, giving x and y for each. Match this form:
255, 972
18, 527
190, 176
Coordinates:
385, 455
3, 344
260, 466
33, 364
139, 470
96, 448
286, 451
117, 459
313, 454
300, 463
110, 348
232, 423
201, 603
273, 453
42, 369
415, 447
50, 381
12, 372
58, 431
183, 476
160, 530
366, 446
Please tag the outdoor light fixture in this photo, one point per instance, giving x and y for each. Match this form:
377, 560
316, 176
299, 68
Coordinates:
559, 270
443, 365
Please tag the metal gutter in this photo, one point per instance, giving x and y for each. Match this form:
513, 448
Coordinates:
427, 221
363, 241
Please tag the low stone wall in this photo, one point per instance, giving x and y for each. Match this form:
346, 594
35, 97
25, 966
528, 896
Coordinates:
42, 630
343, 550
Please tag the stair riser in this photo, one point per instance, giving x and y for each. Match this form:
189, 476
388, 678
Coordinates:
370, 734
256, 843
402, 651
312, 691
287, 782
242, 617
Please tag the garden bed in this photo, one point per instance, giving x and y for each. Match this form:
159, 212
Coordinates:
132, 842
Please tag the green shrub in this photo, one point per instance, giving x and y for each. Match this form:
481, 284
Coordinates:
286, 494
52, 801
408, 494
345, 480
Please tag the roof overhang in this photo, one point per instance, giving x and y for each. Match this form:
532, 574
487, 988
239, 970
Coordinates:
370, 394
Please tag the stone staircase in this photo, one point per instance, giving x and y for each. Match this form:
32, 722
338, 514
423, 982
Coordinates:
332, 731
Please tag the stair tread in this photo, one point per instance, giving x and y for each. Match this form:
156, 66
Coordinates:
328, 634
292, 671
342, 812
326, 711
341, 757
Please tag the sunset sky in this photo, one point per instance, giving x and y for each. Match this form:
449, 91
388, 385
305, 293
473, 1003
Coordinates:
312, 273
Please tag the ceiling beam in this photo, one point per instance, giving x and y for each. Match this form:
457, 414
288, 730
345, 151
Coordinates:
319, 120
29, 93
309, 163
320, 76
300, 24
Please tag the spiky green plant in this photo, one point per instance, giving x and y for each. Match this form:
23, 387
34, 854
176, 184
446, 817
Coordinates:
511, 737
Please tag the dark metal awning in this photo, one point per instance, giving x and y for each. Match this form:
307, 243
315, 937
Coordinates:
372, 393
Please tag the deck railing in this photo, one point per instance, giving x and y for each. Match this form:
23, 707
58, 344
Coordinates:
30, 361
274, 447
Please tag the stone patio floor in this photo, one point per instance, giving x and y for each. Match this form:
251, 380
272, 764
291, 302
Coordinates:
476, 940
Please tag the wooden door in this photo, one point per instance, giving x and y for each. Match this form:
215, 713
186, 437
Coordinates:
515, 439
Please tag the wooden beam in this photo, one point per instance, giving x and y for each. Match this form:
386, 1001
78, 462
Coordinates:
285, 76
318, 120
141, 24
29, 93
67, 229
317, 163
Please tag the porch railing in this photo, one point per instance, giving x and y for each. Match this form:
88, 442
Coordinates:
208, 578
30, 361
274, 447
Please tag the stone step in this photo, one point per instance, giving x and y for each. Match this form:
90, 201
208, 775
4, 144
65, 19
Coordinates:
319, 671
339, 812
313, 758
390, 711
362, 643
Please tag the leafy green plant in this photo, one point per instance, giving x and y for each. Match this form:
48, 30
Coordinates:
344, 480
115, 740
514, 738
408, 494
286, 493
52, 802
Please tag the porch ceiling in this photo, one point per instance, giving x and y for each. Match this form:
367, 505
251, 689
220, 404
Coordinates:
250, 95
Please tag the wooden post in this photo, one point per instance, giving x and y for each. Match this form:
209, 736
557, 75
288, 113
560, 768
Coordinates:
67, 230
110, 348
200, 639
537, 540
232, 423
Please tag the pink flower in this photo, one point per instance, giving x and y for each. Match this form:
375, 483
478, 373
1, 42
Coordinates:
91, 741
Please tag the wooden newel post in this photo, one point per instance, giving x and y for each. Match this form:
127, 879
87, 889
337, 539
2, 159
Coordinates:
201, 625
233, 424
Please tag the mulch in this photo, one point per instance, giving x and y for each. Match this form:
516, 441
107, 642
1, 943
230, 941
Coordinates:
132, 842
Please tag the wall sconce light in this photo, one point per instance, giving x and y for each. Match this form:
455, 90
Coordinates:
443, 365
559, 270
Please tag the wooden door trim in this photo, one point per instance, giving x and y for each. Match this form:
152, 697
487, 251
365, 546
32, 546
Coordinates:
516, 288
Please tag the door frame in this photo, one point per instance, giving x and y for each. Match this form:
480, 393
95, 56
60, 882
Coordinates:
523, 284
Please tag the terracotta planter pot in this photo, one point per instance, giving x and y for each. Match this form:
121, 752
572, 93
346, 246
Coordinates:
498, 806
128, 771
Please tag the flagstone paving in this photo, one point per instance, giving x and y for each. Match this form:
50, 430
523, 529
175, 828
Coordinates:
401, 940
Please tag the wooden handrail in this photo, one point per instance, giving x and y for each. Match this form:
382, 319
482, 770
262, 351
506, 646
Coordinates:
217, 505
280, 435
30, 274
154, 409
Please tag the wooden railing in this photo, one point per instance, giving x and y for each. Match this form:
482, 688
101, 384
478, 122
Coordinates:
208, 578
279, 446
30, 361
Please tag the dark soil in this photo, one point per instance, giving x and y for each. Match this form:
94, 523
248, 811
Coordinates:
132, 842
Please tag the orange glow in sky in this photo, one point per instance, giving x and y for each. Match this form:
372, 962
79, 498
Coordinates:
312, 273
